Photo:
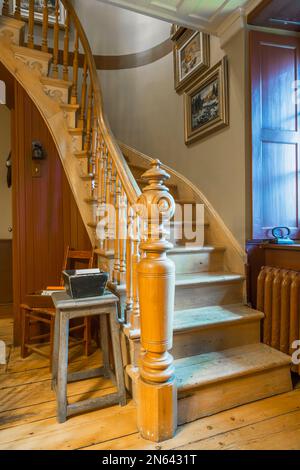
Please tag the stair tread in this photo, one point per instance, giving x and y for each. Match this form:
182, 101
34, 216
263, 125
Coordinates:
213, 316
207, 278
195, 249
59, 82
204, 369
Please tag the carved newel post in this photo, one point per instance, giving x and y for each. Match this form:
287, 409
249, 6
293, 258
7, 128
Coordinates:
157, 392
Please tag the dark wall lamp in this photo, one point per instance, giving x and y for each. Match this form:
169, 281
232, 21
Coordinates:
38, 154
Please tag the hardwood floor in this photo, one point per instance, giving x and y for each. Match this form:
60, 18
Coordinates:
27, 414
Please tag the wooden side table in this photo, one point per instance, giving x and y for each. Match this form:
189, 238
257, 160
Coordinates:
67, 309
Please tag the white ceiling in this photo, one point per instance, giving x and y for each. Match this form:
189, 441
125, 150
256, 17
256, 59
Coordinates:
213, 16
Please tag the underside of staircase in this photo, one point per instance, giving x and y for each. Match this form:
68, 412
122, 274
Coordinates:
220, 361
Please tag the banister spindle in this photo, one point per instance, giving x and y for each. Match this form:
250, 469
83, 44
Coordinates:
75, 69
157, 391
45, 27
102, 174
56, 41
109, 215
17, 13
81, 120
87, 141
135, 313
122, 235
30, 38
5, 8
116, 270
129, 262
66, 48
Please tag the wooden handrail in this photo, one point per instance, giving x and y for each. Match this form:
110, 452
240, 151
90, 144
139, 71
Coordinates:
129, 184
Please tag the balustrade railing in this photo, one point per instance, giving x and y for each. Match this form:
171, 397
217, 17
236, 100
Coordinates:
146, 274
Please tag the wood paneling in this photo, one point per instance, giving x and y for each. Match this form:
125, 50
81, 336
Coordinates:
282, 14
275, 66
45, 215
5, 271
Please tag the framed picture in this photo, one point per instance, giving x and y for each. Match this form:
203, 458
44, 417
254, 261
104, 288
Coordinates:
206, 103
191, 57
38, 11
176, 31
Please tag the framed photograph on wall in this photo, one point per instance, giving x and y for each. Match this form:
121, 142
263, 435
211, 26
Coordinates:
191, 57
38, 11
206, 103
176, 31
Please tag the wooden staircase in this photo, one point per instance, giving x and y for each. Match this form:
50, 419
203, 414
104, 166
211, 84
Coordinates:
219, 359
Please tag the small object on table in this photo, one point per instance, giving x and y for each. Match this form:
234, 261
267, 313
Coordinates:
282, 236
67, 309
83, 283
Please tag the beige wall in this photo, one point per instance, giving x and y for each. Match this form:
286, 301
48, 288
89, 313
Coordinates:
146, 113
5, 193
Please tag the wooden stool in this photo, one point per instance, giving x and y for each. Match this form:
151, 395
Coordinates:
67, 309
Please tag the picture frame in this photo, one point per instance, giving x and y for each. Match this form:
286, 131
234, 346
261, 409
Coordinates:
38, 14
191, 57
206, 103
176, 31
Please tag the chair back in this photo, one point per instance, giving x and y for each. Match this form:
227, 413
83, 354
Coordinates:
77, 259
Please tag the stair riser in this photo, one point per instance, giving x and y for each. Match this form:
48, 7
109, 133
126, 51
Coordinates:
208, 294
177, 236
206, 340
76, 143
11, 31
59, 94
217, 397
39, 66
70, 118
198, 262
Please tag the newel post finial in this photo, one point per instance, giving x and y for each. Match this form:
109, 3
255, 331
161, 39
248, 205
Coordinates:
157, 392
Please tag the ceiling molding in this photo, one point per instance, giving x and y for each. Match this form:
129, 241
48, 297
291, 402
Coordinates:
218, 17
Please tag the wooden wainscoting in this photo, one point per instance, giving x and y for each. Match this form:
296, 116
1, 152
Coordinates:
45, 214
6, 295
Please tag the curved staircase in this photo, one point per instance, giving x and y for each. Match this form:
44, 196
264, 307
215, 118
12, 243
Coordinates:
219, 359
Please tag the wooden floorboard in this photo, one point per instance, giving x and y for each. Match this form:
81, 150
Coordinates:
28, 414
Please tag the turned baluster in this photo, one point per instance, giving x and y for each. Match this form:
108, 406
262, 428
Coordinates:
56, 41
17, 13
30, 39
87, 141
5, 8
129, 255
66, 48
75, 69
157, 392
116, 270
94, 151
135, 313
45, 27
81, 119
109, 214
122, 235
103, 173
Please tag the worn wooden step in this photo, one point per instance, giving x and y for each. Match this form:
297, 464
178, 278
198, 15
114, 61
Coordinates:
205, 289
70, 112
197, 259
35, 59
11, 30
57, 88
208, 329
213, 382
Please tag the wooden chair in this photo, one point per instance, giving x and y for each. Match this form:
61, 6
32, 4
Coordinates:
43, 314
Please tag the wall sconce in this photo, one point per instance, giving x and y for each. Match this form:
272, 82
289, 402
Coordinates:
38, 152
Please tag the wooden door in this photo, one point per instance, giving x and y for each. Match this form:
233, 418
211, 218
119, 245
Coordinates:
275, 62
